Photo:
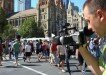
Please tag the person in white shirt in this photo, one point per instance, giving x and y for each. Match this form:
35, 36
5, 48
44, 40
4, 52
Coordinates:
28, 51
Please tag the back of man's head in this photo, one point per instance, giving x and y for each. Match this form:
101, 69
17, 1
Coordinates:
18, 37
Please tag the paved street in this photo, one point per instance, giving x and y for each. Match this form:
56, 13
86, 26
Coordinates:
37, 68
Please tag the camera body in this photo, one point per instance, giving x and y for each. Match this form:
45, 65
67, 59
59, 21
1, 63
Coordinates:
73, 39
77, 38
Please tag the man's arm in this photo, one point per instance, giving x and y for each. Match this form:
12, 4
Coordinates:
91, 61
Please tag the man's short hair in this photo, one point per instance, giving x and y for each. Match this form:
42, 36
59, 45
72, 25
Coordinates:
95, 4
18, 37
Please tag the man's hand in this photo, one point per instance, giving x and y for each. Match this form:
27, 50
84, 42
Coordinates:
90, 60
101, 68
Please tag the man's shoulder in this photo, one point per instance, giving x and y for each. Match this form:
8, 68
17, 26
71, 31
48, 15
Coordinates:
17, 43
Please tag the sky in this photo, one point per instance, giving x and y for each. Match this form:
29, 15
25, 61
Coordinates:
78, 3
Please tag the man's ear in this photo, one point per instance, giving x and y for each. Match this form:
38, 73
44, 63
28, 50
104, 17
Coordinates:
100, 14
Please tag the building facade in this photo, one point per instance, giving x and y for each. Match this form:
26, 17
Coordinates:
74, 18
51, 16
8, 6
17, 19
1, 3
66, 2
24, 5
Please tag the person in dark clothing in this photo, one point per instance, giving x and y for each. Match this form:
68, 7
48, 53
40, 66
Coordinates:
1, 50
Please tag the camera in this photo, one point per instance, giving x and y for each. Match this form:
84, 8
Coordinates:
77, 38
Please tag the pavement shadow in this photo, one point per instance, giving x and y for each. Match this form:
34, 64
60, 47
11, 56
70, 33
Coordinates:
72, 71
38, 61
30, 64
11, 66
9, 60
31, 57
72, 64
38, 74
79, 71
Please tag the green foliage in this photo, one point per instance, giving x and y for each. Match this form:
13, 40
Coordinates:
3, 20
30, 29
9, 32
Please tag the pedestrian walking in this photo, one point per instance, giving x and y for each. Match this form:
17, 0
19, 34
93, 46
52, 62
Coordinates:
28, 51
1, 50
16, 48
61, 55
53, 49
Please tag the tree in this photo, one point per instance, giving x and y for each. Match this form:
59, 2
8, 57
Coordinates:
3, 20
30, 29
9, 32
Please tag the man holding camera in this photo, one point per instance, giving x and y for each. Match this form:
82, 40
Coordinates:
95, 15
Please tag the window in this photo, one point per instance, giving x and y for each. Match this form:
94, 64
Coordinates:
68, 12
42, 10
41, 17
16, 22
69, 20
44, 16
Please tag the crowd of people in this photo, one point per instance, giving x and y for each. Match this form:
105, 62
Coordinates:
52, 51
93, 53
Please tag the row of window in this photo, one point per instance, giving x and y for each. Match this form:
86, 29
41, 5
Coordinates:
19, 21
43, 17
74, 20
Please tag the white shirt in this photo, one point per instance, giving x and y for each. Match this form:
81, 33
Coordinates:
27, 48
